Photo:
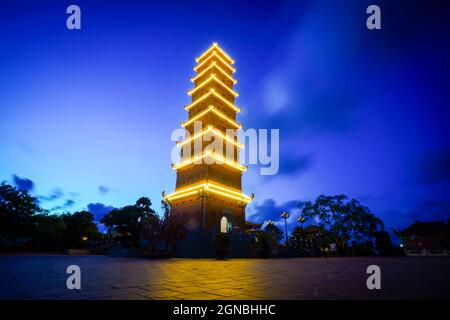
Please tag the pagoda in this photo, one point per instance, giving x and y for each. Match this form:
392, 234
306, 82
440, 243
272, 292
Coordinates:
208, 193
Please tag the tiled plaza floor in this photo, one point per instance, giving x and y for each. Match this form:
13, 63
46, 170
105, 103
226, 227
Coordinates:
44, 277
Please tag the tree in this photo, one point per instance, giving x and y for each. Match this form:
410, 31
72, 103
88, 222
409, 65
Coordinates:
152, 230
263, 244
363, 248
274, 231
173, 227
17, 209
164, 232
48, 232
144, 204
79, 226
308, 241
24, 225
383, 243
221, 245
342, 220
128, 222
297, 240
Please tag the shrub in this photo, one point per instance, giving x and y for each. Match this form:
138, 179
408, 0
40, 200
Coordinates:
221, 244
263, 240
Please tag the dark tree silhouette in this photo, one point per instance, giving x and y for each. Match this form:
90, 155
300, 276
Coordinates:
164, 233
48, 232
79, 225
17, 210
383, 243
342, 220
274, 231
297, 241
128, 223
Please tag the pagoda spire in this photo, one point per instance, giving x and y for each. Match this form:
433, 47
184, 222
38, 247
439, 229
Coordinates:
214, 49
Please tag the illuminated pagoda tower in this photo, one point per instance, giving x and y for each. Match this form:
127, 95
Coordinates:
208, 194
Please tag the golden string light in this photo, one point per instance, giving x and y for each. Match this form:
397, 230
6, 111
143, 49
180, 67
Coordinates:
217, 112
220, 159
215, 62
213, 77
216, 47
214, 55
210, 129
206, 95
214, 65
211, 186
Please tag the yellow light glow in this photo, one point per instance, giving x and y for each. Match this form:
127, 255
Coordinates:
216, 132
217, 112
191, 187
212, 155
226, 74
198, 116
232, 106
229, 195
218, 57
237, 125
195, 187
198, 100
212, 187
213, 77
214, 72
188, 161
223, 188
174, 197
218, 68
215, 46
212, 92
228, 162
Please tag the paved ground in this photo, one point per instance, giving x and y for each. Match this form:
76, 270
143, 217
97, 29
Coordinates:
44, 277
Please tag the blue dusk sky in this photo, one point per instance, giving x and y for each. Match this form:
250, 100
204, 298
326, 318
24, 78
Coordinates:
86, 116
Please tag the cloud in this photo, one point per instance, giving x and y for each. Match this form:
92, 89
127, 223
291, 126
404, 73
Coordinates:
309, 89
57, 193
26, 148
294, 164
74, 194
269, 210
23, 183
427, 210
103, 189
99, 210
67, 204
433, 167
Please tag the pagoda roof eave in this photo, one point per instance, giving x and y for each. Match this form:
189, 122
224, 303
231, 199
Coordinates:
215, 46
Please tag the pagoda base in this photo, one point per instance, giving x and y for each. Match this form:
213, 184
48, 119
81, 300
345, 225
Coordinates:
200, 245
203, 218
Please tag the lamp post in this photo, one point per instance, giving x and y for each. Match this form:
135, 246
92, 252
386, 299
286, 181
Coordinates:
285, 215
301, 219
303, 239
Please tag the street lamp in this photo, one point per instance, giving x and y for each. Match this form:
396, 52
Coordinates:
285, 215
301, 219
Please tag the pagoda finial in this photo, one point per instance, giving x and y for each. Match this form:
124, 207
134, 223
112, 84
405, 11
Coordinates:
215, 48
